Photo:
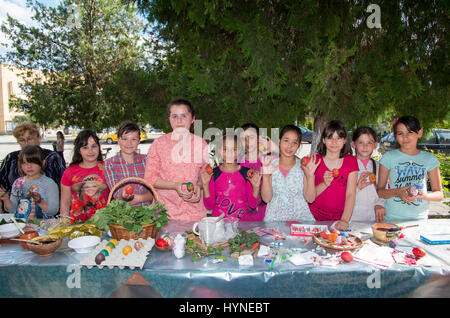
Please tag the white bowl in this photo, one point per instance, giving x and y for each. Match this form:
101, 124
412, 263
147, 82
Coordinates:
10, 230
84, 244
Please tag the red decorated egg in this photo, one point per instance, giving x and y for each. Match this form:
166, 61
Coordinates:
250, 173
190, 186
335, 173
209, 169
324, 234
372, 178
347, 256
418, 252
305, 160
336, 231
129, 190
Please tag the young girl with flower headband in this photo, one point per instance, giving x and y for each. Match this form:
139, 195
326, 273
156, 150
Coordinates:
335, 178
33, 196
83, 184
407, 170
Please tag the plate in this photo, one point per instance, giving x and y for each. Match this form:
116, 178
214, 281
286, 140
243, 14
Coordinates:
10, 230
353, 243
84, 244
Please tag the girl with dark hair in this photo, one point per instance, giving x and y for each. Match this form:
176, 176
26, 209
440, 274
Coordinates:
85, 171
368, 206
230, 190
287, 185
33, 195
408, 169
175, 159
335, 178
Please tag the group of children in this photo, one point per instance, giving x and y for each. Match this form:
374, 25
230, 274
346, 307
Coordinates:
332, 185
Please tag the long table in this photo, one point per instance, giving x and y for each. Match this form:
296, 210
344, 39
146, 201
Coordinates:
25, 274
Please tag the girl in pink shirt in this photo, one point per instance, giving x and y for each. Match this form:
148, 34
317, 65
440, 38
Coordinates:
175, 159
230, 189
335, 177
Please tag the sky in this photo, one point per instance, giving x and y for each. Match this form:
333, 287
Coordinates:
18, 9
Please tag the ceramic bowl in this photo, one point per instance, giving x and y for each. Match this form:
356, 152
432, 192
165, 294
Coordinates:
10, 230
84, 244
381, 232
28, 236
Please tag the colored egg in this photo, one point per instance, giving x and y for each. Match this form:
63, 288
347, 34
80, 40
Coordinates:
109, 249
111, 245
209, 169
305, 160
347, 256
372, 178
393, 243
138, 245
332, 237
335, 173
324, 234
418, 252
341, 240
114, 241
127, 250
250, 173
99, 258
336, 231
104, 252
344, 234
190, 186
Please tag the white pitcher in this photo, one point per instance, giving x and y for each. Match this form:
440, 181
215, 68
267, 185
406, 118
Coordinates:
206, 230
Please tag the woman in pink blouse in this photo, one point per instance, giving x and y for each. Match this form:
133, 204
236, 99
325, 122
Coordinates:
175, 159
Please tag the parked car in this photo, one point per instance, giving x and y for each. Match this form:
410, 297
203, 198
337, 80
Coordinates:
306, 134
112, 138
388, 140
439, 142
152, 129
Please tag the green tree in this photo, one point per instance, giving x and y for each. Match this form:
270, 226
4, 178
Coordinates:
80, 47
272, 62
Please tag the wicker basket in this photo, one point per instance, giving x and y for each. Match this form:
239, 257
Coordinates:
119, 232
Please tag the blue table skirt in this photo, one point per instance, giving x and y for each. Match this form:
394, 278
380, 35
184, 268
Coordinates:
24, 274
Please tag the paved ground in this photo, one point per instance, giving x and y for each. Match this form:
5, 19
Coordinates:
8, 143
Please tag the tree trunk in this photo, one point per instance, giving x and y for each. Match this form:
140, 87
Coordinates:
319, 123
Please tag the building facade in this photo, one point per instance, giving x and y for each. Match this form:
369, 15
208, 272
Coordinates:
10, 80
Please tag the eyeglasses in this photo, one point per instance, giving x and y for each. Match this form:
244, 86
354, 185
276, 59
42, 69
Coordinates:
27, 140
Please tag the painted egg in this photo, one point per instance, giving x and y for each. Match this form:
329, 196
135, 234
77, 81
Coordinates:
99, 258
344, 234
332, 237
250, 173
111, 245
114, 241
372, 178
418, 252
305, 160
127, 250
138, 245
129, 190
335, 173
341, 240
104, 252
393, 243
108, 248
209, 169
324, 234
190, 186
413, 191
336, 231
347, 256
